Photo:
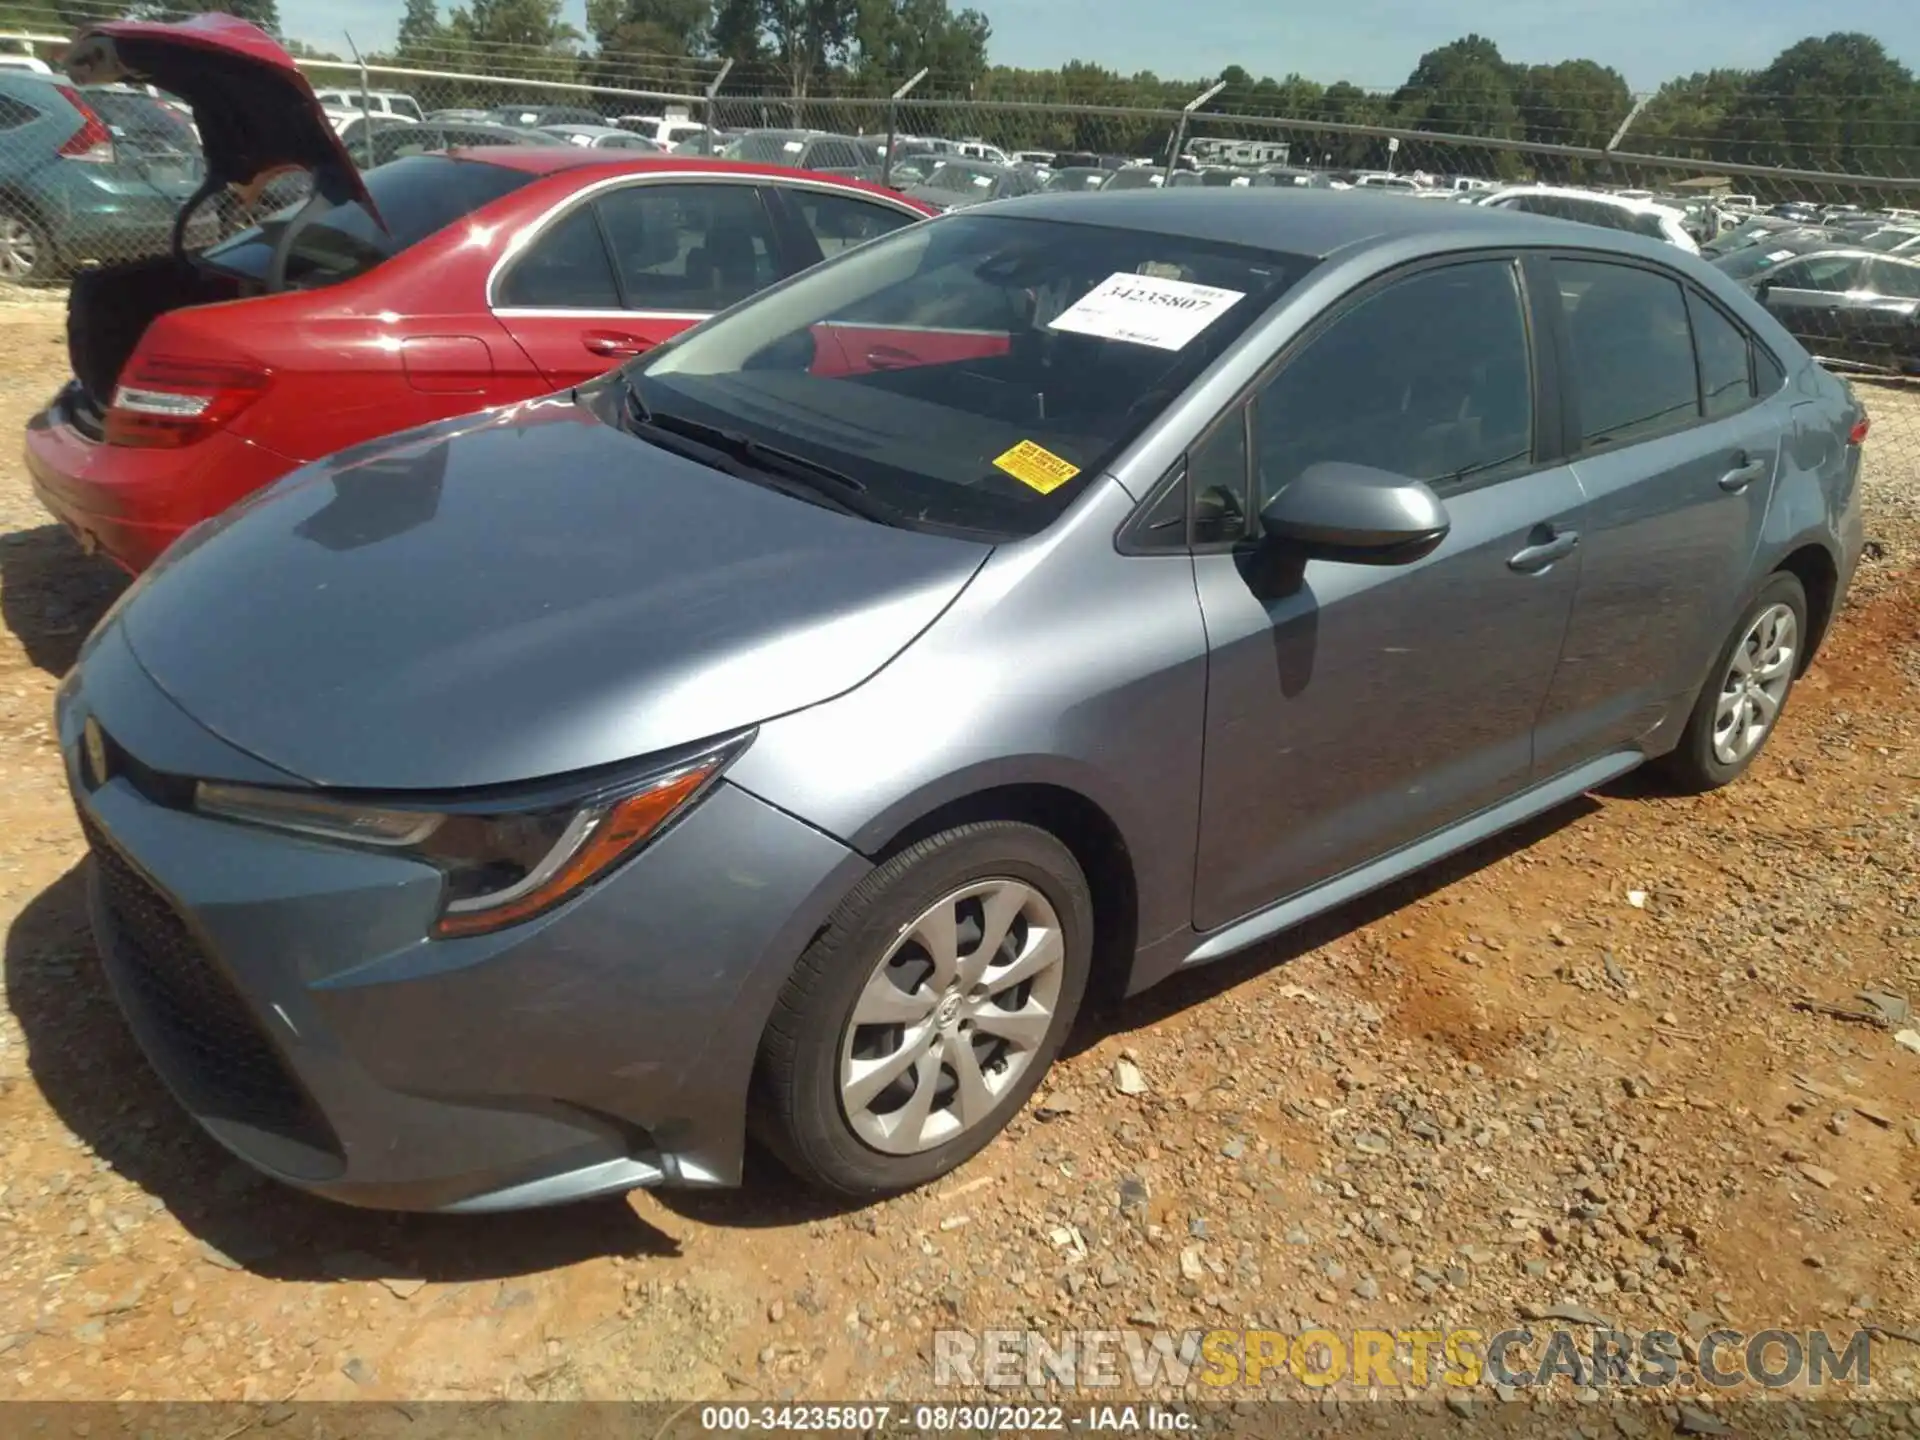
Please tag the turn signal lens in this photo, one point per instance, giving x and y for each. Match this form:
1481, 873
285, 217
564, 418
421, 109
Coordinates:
163, 402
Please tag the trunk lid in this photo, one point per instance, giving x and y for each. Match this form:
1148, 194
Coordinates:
255, 112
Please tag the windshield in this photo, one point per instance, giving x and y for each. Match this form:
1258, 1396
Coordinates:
1745, 264
974, 373
416, 197
767, 147
141, 117
961, 177
914, 169
1889, 240
1077, 179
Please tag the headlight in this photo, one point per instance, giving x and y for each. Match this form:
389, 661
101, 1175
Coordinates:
503, 864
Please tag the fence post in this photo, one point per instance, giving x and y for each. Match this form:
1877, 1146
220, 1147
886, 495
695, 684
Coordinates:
1179, 141
893, 125
712, 111
366, 97
1627, 124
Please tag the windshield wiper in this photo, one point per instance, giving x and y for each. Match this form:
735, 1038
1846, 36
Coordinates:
819, 482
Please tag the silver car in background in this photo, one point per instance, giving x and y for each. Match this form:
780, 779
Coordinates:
785, 732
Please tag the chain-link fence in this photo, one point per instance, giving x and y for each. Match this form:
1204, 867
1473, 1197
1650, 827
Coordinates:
1816, 206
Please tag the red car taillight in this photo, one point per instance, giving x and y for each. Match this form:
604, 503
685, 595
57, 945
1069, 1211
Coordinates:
164, 402
92, 142
1860, 429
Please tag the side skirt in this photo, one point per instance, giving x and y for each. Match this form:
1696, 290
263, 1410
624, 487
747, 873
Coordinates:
1330, 894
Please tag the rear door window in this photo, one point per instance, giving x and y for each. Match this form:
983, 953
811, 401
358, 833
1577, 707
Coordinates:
839, 222
1632, 349
690, 248
566, 268
1726, 370
417, 197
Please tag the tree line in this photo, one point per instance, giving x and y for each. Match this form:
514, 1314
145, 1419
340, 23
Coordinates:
1837, 103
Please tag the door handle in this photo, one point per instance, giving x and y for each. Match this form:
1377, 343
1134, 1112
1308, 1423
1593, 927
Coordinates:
1541, 554
1748, 471
612, 343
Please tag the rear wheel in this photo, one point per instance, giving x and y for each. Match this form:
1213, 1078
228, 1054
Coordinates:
26, 254
918, 1023
1751, 679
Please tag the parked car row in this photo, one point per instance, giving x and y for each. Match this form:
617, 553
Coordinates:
563, 771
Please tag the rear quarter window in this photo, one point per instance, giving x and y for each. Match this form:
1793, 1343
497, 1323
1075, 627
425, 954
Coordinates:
417, 196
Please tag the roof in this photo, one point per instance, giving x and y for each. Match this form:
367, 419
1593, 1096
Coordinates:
1640, 203
1300, 221
562, 157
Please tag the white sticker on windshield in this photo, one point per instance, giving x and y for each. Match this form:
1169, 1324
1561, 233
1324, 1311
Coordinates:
793, 147
1147, 310
1777, 256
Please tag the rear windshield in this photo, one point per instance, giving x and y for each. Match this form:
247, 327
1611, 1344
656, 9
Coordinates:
140, 117
416, 197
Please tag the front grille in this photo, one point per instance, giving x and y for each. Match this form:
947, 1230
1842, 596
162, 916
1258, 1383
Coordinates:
183, 1007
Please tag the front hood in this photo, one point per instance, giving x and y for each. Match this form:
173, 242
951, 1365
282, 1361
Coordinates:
518, 595
255, 111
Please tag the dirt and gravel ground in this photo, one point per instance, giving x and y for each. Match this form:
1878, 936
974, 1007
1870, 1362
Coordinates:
1569, 1070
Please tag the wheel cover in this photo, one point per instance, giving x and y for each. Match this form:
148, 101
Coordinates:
1755, 685
952, 1017
19, 253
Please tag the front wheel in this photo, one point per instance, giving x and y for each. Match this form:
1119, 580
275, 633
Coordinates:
922, 1018
1750, 682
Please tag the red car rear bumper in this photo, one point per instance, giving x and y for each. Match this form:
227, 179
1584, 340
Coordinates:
130, 503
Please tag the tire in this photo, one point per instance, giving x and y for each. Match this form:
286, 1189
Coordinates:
1699, 762
26, 250
817, 1065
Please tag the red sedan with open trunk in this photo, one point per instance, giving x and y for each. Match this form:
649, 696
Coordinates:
429, 287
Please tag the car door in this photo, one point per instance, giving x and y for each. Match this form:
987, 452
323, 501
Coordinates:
1809, 297
1353, 708
1676, 450
619, 272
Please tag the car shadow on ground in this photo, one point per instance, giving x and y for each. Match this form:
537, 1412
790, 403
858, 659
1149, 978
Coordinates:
52, 595
85, 1062
769, 1198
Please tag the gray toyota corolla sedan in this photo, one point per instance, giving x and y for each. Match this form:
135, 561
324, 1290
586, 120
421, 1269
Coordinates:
780, 735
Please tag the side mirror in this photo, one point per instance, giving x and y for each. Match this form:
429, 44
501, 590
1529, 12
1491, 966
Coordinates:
1356, 514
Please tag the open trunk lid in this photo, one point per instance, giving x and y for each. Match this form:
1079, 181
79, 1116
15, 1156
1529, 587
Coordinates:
256, 113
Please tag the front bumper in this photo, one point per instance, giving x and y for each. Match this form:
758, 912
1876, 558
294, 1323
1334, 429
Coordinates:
286, 993
131, 503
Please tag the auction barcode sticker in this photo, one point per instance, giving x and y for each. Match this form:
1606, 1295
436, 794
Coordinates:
1147, 310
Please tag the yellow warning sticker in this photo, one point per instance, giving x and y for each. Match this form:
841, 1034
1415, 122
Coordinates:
1036, 466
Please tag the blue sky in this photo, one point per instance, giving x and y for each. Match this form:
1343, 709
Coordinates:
1370, 42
